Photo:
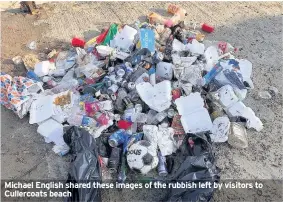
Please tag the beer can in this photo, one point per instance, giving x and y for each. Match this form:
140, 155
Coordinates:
108, 83
120, 73
113, 97
112, 89
114, 160
127, 102
111, 69
171, 113
162, 170
124, 84
131, 86
117, 138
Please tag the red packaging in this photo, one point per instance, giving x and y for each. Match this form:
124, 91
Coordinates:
122, 124
76, 42
103, 119
177, 125
91, 108
207, 28
176, 93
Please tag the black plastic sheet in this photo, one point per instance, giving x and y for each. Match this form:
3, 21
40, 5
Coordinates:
198, 167
85, 164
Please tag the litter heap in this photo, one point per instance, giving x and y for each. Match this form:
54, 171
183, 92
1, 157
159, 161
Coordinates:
142, 91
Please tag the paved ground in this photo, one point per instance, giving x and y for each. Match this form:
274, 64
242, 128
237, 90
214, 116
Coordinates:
255, 28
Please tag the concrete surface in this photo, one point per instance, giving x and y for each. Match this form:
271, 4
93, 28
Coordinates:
254, 27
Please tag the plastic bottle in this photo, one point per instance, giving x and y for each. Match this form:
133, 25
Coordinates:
32, 75
139, 117
162, 170
160, 116
212, 73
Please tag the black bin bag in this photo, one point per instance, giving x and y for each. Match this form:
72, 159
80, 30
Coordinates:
198, 167
85, 166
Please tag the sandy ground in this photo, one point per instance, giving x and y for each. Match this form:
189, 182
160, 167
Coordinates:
255, 28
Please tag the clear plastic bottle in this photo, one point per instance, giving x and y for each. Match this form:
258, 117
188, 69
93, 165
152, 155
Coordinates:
139, 117
160, 116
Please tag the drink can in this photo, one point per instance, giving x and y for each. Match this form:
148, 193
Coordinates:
162, 170
108, 83
114, 160
113, 96
117, 138
131, 86
120, 73
112, 89
171, 113
127, 101
124, 84
111, 69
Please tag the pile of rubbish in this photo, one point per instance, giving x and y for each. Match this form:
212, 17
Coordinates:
141, 91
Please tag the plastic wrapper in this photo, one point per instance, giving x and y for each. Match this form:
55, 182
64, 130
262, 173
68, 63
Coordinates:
84, 166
